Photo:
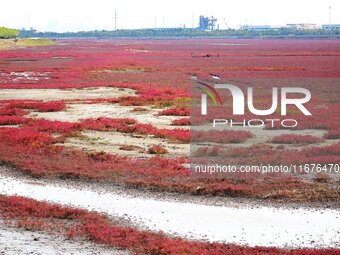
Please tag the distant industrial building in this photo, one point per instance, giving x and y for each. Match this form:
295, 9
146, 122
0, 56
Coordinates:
303, 26
330, 26
256, 27
207, 23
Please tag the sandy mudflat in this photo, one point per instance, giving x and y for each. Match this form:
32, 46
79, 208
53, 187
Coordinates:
112, 142
240, 224
64, 94
20, 242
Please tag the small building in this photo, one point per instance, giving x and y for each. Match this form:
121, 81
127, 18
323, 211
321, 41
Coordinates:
302, 26
256, 27
331, 26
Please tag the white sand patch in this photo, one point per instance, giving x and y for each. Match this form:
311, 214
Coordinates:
264, 226
76, 112
111, 142
64, 94
24, 76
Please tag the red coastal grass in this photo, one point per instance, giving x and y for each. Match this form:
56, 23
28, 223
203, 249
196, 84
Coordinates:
175, 112
181, 122
13, 120
168, 69
126, 125
296, 139
60, 127
225, 136
258, 154
31, 148
34, 152
333, 134
51, 106
12, 112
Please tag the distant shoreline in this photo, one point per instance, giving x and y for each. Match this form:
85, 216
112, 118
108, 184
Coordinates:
173, 33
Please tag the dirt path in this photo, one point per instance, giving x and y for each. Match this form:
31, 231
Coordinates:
245, 225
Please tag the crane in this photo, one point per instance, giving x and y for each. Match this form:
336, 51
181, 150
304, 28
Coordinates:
225, 22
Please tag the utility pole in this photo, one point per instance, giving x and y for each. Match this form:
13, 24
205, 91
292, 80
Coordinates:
193, 20
330, 15
29, 20
115, 20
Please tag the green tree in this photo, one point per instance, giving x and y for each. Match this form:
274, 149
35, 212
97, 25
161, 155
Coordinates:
7, 33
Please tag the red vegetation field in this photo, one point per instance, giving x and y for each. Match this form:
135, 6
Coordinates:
34, 153
131, 126
268, 154
181, 122
52, 106
226, 136
160, 74
159, 71
175, 112
333, 134
295, 139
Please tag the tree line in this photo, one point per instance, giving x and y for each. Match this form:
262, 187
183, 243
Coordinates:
187, 32
7, 33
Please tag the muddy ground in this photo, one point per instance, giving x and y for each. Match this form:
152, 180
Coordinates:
15, 241
240, 223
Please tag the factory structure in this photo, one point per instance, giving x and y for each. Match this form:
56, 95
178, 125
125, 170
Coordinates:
206, 23
210, 23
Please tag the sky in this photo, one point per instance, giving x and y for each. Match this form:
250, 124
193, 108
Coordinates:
83, 15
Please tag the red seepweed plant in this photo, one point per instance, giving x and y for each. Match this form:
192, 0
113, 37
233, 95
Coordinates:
131, 126
181, 122
296, 139
175, 112
51, 106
